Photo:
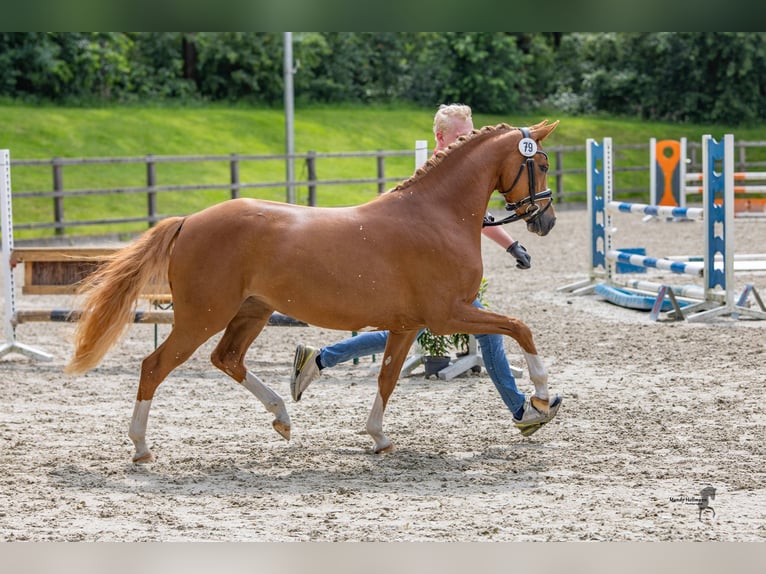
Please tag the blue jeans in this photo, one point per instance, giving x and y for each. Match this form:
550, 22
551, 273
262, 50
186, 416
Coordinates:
492, 352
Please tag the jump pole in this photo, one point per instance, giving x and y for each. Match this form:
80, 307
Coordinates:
608, 258
603, 256
599, 182
9, 288
744, 206
719, 185
719, 247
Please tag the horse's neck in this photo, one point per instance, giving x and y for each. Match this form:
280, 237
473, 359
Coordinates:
465, 181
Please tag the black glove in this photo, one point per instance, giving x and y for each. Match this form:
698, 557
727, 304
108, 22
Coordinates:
523, 259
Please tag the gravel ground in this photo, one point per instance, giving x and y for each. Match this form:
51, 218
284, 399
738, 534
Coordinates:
653, 413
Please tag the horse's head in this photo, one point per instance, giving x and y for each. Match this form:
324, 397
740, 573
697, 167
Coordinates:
707, 492
524, 181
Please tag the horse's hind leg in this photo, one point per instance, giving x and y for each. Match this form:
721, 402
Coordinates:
229, 356
177, 348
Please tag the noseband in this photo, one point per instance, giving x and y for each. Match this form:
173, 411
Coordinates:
528, 148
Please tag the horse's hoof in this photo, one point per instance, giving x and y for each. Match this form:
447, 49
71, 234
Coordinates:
385, 449
282, 428
542, 405
144, 458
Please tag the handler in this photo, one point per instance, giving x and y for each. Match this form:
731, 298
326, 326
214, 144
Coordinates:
450, 122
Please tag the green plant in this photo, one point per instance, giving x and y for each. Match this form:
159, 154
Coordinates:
460, 342
434, 345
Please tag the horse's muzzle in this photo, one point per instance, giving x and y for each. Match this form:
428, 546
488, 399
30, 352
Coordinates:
542, 224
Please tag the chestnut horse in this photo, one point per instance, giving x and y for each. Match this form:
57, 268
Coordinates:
379, 265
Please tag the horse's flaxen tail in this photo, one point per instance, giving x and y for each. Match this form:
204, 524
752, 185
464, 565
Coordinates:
112, 291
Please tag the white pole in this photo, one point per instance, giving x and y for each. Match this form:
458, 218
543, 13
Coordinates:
9, 288
289, 117
682, 175
421, 152
608, 167
710, 225
589, 143
653, 171
728, 218
7, 226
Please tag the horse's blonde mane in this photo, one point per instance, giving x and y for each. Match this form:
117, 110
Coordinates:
438, 157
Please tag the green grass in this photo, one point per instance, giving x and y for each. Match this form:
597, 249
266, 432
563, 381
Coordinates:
40, 132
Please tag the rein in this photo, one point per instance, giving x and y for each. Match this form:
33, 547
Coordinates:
528, 148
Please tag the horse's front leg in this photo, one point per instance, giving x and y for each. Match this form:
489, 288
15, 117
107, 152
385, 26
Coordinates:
397, 346
538, 374
470, 319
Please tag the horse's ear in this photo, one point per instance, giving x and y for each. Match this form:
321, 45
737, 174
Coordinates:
543, 129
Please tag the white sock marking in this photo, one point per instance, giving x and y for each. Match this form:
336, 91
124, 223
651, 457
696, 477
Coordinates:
538, 374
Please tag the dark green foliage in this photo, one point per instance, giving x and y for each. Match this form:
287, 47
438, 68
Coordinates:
713, 77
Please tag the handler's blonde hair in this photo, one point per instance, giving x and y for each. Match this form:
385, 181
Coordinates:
446, 114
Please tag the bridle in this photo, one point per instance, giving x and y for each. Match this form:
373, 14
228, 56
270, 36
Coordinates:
528, 148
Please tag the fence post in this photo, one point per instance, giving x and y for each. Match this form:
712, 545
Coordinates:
151, 195
742, 166
421, 152
58, 195
693, 163
311, 170
234, 171
559, 171
381, 172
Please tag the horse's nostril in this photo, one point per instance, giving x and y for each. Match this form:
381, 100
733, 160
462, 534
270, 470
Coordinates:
541, 226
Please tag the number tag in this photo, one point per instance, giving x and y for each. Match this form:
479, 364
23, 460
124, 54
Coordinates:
528, 147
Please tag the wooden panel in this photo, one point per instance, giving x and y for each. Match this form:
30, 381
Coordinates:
39, 275
21, 254
58, 270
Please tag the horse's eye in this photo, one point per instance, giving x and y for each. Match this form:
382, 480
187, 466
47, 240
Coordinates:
544, 168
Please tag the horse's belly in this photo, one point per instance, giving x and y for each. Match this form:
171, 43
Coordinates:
343, 307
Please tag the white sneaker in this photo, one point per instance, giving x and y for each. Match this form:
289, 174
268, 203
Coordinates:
533, 419
305, 370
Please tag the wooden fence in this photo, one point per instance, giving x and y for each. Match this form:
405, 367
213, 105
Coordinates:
566, 178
